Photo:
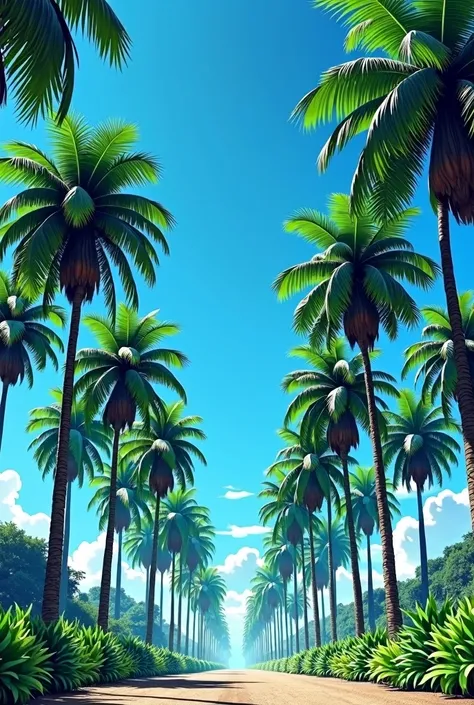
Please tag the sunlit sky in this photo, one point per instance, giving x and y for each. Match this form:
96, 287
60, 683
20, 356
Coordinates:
211, 84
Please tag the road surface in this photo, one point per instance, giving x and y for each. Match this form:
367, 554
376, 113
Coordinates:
244, 688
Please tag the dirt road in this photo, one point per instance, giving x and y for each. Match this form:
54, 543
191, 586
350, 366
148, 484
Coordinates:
244, 688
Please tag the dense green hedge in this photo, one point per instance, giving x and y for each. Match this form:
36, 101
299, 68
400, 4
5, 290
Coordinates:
434, 651
36, 658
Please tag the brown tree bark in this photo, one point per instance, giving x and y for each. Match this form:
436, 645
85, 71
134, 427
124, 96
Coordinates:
392, 602
356, 584
50, 609
106, 578
465, 391
150, 621
314, 587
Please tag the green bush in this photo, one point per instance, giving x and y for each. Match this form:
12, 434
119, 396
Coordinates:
23, 658
70, 664
295, 662
453, 652
142, 656
360, 653
383, 664
115, 662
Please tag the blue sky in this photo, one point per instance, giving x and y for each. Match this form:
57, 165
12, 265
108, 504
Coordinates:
211, 85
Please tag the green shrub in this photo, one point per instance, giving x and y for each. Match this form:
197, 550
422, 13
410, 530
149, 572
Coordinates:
295, 662
22, 658
383, 664
142, 656
70, 664
115, 662
321, 661
308, 661
360, 653
453, 652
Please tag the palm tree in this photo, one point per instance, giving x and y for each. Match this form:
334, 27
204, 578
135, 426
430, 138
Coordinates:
268, 588
420, 443
199, 551
332, 398
414, 103
23, 335
433, 356
130, 505
356, 280
86, 440
119, 378
210, 594
296, 606
39, 55
138, 546
322, 583
366, 518
68, 226
164, 449
181, 517
281, 554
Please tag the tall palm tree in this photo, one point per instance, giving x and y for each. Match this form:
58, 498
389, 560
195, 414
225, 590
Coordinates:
71, 222
332, 547
268, 588
434, 355
24, 335
130, 504
119, 377
199, 551
281, 554
415, 105
86, 441
296, 607
332, 398
181, 517
420, 444
366, 517
163, 449
39, 56
163, 564
210, 594
356, 282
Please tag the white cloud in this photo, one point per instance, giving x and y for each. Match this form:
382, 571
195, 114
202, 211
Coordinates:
236, 560
403, 493
237, 494
34, 524
434, 505
239, 599
88, 558
241, 532
344, 574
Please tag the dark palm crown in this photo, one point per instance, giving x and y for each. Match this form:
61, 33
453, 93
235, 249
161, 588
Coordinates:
74, 222
356, 278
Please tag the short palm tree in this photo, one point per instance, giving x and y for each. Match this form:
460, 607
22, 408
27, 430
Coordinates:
74, 219
332, 399
130, 505
163, 450
180, 519
433, 357
366, 518
24, 335
356, 281
119, 378
39, 56
414, 102
86, 442
421, 445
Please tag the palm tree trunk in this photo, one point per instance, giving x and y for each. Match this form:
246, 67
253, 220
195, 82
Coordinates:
50, 609
423, 552
314, 586
188, 612
161, 602
194, 632
180, 604
392, 602
464, 388
171, 634
285, 588
106, 579
305, 598
275, 640
295, 588
147, 589
370, 587
323, 616
64, 570
332, 594
292, 648
3, 406
118, 581
282, 645
150, 620
356, 583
